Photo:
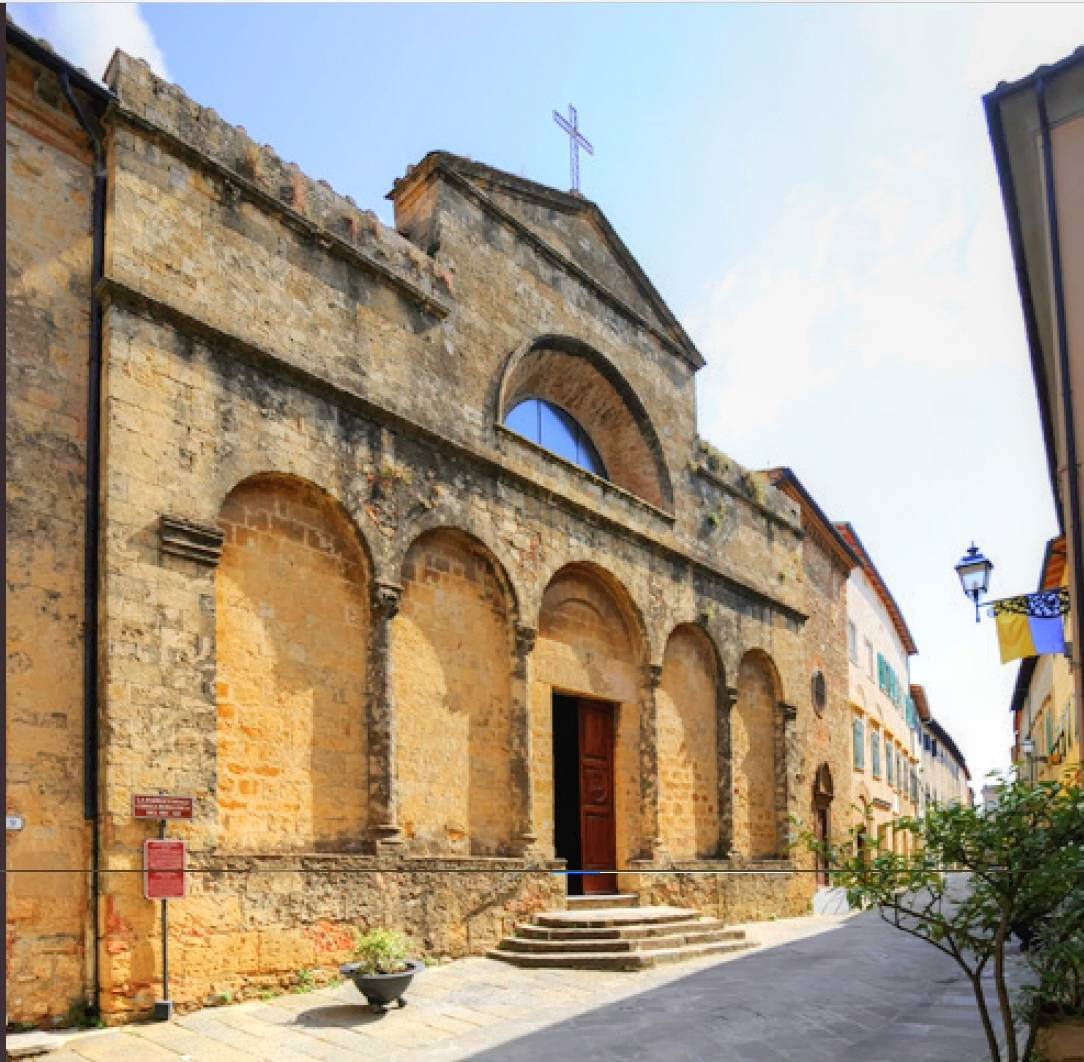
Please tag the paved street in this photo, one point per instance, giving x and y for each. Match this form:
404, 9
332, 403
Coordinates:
818, 988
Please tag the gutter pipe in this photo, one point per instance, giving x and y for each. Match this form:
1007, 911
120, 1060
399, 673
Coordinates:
92, 523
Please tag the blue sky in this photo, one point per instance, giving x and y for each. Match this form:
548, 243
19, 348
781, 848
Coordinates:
811, 188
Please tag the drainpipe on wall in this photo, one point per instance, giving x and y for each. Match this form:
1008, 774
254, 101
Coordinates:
1073, 512
92, 522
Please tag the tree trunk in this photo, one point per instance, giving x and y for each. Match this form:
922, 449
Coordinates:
1002, 990
984, 1013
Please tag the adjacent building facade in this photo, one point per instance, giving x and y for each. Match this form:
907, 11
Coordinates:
1037, 131
396, 550
884, 722
943, 777
1046, 743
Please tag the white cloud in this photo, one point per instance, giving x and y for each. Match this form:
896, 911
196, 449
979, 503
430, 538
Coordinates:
1008, 41
88, 34
878, 273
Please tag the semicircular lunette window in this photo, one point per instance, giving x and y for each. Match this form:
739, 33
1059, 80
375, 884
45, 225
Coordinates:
554, 430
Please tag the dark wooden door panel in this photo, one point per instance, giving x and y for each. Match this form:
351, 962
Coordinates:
597, 824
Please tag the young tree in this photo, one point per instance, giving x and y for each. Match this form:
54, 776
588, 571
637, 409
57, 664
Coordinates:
1024, 862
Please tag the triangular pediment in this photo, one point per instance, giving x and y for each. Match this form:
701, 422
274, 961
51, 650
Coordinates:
578, 233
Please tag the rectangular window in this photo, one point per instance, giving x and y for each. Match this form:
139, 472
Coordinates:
859, 745
1048, 726
890, 763
875, 753
869, 657
852, 642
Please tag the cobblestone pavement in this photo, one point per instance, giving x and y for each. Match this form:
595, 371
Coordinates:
824, 987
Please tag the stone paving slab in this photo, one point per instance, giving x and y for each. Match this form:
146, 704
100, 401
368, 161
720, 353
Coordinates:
832, 988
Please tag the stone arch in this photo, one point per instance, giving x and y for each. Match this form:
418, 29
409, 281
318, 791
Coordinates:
452, 665
292, 633
689, 728
577, 378
461, 521
591, 644
759, 791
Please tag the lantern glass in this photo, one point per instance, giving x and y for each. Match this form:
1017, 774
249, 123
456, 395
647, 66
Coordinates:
974, 572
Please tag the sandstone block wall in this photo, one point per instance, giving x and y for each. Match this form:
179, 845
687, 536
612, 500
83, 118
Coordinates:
49, 185
452, 664
326, 392
292, 633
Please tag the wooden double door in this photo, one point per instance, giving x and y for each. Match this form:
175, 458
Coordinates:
585, 833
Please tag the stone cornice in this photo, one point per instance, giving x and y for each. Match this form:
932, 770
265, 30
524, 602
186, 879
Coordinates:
237, 184
111, 291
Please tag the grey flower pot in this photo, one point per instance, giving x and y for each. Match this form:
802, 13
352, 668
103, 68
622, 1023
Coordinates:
381, 990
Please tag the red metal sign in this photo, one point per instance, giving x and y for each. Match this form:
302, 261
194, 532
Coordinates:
154, 806
163, 870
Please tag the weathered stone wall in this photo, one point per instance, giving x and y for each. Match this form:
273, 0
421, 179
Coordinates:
688, 705
754, 724
258, 325
48, 260
292, 619
452, 661
739, 891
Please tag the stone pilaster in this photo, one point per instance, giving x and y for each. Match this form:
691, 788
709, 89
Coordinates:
727, 697
785, 755
522, 778
384, 829
651, 846
526, 842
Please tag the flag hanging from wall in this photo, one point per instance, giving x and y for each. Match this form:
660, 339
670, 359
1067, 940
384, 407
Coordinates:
1030, 625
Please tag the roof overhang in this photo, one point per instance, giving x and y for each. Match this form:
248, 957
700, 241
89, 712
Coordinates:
816, 523
1014, 118
880, 587
42, 53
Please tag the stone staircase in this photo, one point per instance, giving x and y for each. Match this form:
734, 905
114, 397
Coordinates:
613, 933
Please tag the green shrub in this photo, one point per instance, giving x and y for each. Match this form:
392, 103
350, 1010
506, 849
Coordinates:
381, 951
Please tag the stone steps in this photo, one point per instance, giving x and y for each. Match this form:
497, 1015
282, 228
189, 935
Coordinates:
630, 960
586, 903
616, 938
644, 934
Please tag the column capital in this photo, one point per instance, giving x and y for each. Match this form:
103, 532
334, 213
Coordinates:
652, 676
789, 712
525, 639
730, 696
386, 598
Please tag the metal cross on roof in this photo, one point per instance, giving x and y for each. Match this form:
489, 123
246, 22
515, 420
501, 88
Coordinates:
576, 140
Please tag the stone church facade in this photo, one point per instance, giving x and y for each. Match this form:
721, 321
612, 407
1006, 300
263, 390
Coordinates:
339, 602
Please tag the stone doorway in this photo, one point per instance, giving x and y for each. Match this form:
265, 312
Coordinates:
822, 802
584, 821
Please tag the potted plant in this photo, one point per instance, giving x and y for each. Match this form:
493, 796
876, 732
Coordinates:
381, 970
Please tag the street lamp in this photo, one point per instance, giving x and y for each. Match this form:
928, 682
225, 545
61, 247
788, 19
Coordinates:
974, 572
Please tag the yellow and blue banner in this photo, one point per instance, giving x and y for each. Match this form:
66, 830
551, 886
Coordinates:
1025, 627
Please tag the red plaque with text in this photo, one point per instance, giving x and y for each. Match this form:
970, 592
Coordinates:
154, 806
163, 870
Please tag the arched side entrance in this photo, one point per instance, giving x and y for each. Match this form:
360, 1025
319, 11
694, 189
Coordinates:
586, 689
452, 668
823, 792
688, 754
292, 636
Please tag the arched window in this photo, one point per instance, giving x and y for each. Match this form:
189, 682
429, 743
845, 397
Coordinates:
554, 430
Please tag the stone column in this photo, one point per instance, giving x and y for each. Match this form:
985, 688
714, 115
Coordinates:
651, 846
785, 753
522, 759
726, 698
384, 829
